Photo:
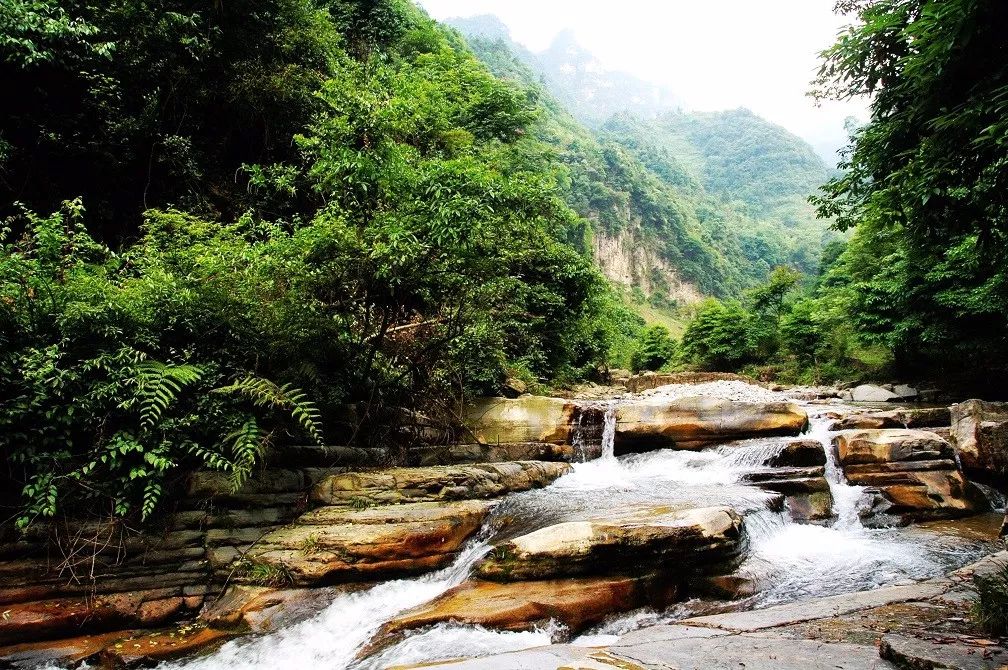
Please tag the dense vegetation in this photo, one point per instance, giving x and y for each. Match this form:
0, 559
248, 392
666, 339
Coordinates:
224, 223
921, 288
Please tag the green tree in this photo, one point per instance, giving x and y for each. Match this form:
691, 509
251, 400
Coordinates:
719, 337
655, 349
925, 179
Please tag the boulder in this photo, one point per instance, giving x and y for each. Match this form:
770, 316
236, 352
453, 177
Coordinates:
64, 653
799, 454
336, 544
980, 436
905, 392
872, 393
263, 609
526, 419
706, 540
692, 423
807, 493
913, 470
576, 603
436, 484
888, 446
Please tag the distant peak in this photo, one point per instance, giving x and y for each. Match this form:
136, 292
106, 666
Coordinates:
484, 25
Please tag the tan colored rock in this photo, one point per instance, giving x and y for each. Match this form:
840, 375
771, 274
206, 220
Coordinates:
67, 652
331, 545
262, 609
684, 542
888, 446
526, 419
576, 603
922, 417
691, 423
438, 483
980, 436
152, 648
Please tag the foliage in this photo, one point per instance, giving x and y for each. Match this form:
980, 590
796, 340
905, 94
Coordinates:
990, 607
925, 179
655, 349
293, 206
719, 336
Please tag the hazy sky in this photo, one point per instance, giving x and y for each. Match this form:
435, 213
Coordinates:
716, 54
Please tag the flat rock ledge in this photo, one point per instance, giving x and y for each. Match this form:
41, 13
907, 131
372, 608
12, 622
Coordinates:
436, 483
336, 544
705, 540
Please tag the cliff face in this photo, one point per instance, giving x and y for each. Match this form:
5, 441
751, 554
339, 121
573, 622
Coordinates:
629, 261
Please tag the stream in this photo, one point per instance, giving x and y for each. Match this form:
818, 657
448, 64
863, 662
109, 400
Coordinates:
788, 561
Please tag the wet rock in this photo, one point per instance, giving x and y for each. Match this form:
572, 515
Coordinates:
691, 423
872, 393
262, 609
152, 648
526, 419
709, 540
68, 652
70, 617
807, 493
438, 483
929, 417
330, 545
913, 471
980, 436
576, 603
888, 446
493, 453
799, 454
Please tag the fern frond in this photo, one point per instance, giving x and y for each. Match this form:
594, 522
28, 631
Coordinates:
246, 444
159, 385
265, 393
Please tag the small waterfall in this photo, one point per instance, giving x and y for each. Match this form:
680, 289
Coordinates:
609, 432
846, 498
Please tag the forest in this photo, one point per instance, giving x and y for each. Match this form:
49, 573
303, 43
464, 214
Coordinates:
223, 225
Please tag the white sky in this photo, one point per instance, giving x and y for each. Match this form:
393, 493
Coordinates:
715, 54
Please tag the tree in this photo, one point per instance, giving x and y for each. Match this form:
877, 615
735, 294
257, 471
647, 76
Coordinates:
719, 337
926, 180
655, 349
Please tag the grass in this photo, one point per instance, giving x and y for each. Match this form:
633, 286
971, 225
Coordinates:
989, 609
311, 545
266, 574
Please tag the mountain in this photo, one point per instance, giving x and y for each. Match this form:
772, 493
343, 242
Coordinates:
681, 205
576, 78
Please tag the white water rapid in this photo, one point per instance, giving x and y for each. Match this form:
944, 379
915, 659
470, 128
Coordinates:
789, 561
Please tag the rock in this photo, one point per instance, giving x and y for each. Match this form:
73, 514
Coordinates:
925, 417
69, 652
799, 454
916, 653
514, 387
436, 483
526, 419
70, 617
913, 471
330, 545
576, 603
1004, 526
871, 393
691, 423
709, 540
807, 493
455, 454
152, 648
905, 392
980, 436
810, 507
887, 446
262, 609
652, 380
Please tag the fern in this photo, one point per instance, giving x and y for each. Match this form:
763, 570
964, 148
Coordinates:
265, 393
159, 385
247, 444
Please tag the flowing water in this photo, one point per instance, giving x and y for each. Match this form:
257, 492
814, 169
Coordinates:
788, 561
